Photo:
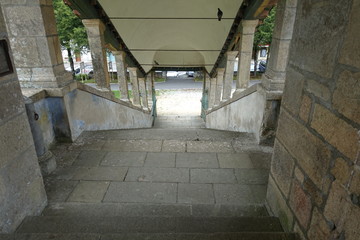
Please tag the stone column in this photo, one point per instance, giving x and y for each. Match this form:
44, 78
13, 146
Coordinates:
150, 85
35, 44
245, 52
135, 85
22, 191
219, 85
274, 77
121, 74
143, 95
229, 74
95, 31
212, 92
207, 83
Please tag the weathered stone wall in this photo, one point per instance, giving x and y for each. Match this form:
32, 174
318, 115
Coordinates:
88, 112
314, 184
242, 115
21, 185
36, 48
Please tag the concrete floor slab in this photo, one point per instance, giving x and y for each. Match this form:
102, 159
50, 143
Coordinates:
209, 146
197, 160
196, 193
252, 176
101, 174
233, 194
234, 160
141, 192
89, 191
156, 174
89, 158
212, 176
133, 145
124, 159
160, 160
173, 146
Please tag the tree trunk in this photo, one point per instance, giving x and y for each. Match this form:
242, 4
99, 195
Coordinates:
71, 61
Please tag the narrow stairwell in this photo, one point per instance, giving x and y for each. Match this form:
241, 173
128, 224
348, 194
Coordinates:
165, 183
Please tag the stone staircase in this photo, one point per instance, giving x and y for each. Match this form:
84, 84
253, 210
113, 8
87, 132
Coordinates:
157, 184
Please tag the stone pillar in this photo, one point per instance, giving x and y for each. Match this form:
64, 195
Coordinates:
207, 82
150, 85
135, 85
229, 74
274, 77
95, 31
121, 74
36, 48
22, 191
212, 92
219, 85
245, 52
143, 95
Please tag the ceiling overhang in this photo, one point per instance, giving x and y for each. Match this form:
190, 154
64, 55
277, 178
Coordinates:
177, 34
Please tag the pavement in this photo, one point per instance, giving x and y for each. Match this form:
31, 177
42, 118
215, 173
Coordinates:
177, 163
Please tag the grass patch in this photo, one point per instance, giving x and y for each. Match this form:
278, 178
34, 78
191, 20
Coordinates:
160, 79
117, 94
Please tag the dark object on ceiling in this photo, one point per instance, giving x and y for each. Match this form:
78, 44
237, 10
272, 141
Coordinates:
219, 14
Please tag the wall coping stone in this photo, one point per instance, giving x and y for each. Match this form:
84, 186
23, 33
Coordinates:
237, 95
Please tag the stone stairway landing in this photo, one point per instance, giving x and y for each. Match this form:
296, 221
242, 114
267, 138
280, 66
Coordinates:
157, 184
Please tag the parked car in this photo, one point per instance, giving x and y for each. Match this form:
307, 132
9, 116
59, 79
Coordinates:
262, 66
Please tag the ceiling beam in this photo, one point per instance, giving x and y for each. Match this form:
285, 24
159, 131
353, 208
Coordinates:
93, 10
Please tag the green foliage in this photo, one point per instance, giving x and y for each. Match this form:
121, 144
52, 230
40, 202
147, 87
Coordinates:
264, 31
72, 33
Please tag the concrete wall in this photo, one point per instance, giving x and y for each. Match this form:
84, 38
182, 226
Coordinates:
88, 112
21, 185
242, 115
314, 184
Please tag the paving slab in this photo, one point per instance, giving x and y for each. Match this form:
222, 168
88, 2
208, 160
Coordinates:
117, 209
197, 160
234, 194
195, 193
212, 176
173, 146
89, 158
160, 160
101, 173
209, 146
141, 192
133, 145
89, 145
259, 193
152, 174
89, 191
59, 190
124, 159
252, 176
228, 210
261, 160
234, 160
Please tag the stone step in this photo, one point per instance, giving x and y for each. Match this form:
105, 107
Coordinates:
153, 210
155, 236
184, 134
113, 225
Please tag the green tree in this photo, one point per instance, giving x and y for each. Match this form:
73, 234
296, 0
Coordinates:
263, 34
72, 33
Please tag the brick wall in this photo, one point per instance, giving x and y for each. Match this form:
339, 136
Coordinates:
314, 184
